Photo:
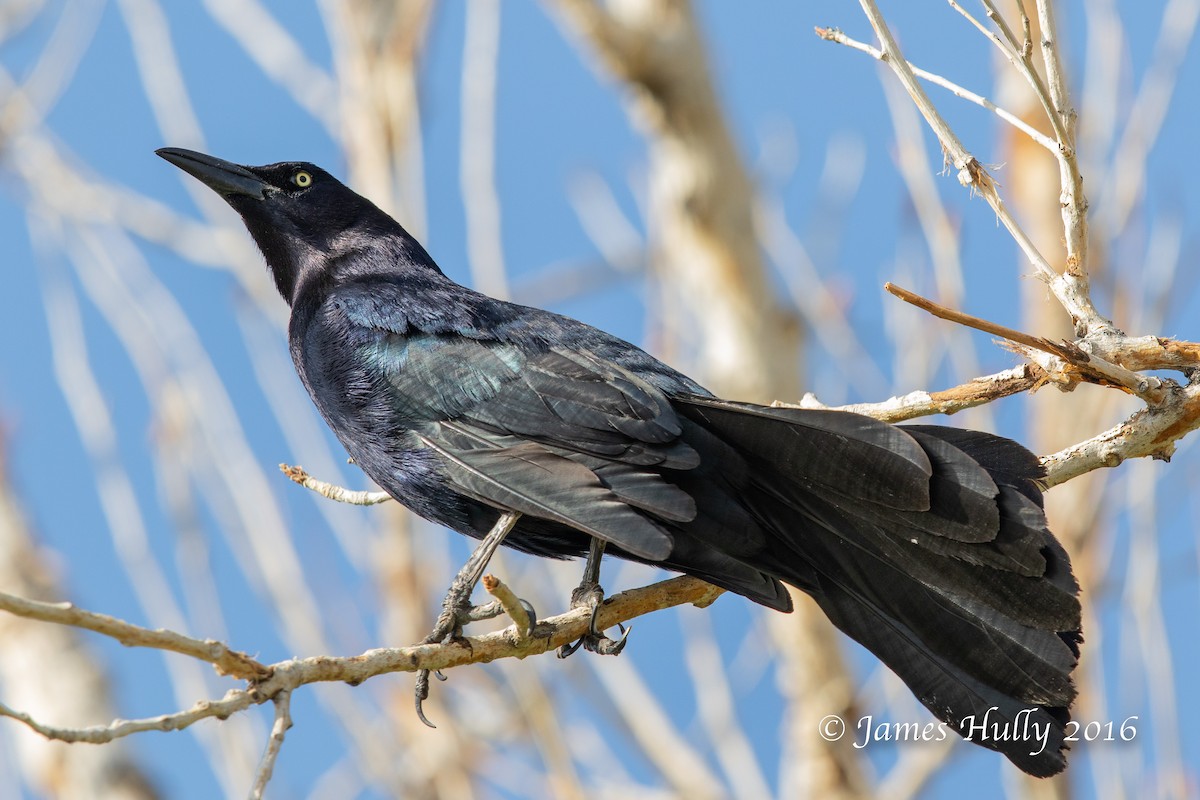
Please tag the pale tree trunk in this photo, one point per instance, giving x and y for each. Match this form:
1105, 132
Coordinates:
702, 201
377, 50
46, 671
721, 310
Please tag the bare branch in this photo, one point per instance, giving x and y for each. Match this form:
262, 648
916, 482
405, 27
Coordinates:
283, 722
836, 36
227, 661
233, 702
333, 492
1149, 432
1088, 367
267, 683
1074, 202
1173, 410
1017, 55
975, 392
510, 603
1069, 287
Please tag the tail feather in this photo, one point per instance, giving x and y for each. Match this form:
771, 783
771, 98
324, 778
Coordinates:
940, 612
962, 495
1029, 600
936, 558
876, 462
1034, 737
1017, 547
1006, 461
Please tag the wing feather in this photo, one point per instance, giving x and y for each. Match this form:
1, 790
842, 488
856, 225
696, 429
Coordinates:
530, 479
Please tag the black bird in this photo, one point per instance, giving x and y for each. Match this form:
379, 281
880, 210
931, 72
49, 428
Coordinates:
926, 544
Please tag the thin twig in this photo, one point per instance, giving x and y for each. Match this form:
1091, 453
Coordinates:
1074, 202
227, 661
283, 722
1008, 46
1001, 24
836, 36
979, 324
1090, 367
332, 491
234, 701
976, 392
1069, 287
511, 603
1026, 37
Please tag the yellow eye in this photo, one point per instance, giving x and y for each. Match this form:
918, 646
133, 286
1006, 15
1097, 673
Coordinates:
302, 179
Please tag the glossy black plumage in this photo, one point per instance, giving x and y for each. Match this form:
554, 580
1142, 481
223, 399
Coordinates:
926, 544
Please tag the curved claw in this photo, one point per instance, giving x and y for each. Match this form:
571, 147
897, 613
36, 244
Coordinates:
597, 643
525, 604
613, 647
592, 629
567, 650
593, 635
420, 694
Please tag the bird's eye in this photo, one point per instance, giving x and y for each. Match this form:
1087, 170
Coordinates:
302, 179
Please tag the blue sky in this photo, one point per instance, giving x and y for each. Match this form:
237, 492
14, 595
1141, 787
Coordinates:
558, 120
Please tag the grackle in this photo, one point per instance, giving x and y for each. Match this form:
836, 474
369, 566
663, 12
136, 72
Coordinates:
926, 544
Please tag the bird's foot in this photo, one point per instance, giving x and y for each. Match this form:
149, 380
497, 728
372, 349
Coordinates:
590, 594
456, 607
456, 612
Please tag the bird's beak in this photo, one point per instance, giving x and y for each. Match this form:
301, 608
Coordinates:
222, 177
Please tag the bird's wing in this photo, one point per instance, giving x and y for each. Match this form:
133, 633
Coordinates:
558, 434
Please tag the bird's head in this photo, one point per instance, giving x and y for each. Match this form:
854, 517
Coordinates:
300, 216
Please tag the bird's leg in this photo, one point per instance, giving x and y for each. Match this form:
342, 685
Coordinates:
589, 594
456, 607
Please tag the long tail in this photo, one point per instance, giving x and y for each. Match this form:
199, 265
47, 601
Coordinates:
926, 544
